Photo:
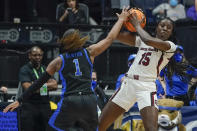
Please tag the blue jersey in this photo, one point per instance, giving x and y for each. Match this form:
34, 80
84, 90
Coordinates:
118, 82
176, 86
76, 72
160, 89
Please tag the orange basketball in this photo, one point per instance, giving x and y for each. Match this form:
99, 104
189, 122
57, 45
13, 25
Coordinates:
140, 16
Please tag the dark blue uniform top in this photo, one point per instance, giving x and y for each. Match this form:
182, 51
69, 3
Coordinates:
76, 72
179, 87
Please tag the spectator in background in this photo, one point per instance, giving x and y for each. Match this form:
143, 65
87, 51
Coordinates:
35, 112
173, 9
192, 12
70, 13
3, 93
102, 98
176, 87
4, 89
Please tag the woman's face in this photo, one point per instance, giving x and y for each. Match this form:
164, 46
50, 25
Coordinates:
71, 3
164, 29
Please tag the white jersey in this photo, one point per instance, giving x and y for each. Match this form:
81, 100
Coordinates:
149, 61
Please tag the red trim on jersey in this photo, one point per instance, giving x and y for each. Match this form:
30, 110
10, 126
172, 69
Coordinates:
159, 63
152, 94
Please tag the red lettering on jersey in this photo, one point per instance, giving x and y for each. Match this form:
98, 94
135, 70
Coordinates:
136, 77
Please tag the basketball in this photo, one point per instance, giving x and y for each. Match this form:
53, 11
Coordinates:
140, 16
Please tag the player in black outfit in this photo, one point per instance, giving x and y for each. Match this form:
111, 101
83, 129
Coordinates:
78, 103
77, 108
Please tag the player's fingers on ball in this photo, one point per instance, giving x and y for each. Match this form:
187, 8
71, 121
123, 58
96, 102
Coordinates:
143, 19
127, 8
130, 17
123, 9
117, 14
134, 15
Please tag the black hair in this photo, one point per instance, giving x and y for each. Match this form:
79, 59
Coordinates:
178, 68
77, 4
173, 67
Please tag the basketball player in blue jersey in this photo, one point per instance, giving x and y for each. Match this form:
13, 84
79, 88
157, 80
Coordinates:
77, 107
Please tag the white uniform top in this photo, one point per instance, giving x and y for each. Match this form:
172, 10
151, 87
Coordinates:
149, 61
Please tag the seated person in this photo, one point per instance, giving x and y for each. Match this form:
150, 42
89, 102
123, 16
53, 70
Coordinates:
173, 9
176, 86
192, 12
102, 98
70, 13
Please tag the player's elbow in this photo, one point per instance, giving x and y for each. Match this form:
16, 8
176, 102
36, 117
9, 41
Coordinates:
146, 40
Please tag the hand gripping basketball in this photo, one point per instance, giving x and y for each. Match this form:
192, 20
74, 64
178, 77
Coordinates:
140, 16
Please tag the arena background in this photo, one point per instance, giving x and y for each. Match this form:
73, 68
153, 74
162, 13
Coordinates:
16, 39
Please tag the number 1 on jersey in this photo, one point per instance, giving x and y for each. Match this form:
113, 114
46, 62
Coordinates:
78, 72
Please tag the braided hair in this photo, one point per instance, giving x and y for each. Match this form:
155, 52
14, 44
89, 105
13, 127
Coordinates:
72, 41
173, 67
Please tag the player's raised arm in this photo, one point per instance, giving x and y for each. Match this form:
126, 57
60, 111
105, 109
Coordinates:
163, 33
98, 48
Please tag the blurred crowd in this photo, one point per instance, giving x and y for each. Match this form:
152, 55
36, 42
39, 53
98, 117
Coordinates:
96, 12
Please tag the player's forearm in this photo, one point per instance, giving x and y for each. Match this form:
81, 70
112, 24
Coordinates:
102, 45
52, 85
36, 85
143, 34
152, 41
115, 30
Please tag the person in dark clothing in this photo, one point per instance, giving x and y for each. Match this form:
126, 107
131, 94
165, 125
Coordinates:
70, 13
77, 108
102, 98
35, 111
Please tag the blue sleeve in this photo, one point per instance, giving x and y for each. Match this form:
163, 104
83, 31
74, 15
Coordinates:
118, 82
160, 89
193, 73
162, 73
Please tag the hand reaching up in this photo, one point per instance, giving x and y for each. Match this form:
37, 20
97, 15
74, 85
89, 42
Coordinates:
124, 14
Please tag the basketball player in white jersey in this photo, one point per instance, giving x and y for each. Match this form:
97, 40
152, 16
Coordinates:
139, 85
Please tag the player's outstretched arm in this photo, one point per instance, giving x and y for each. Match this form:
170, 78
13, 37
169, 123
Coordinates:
53, 67
148, 39
101, 46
